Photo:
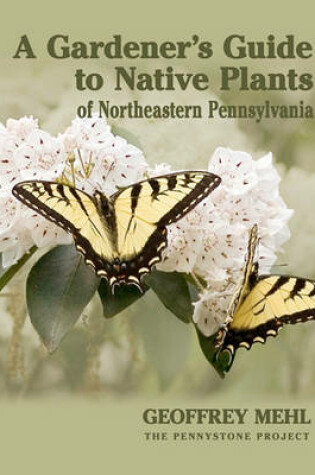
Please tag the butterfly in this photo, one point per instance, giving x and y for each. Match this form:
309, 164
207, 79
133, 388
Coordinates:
261, 306
121, 236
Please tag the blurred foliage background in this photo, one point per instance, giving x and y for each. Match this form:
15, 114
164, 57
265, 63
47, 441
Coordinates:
145, 349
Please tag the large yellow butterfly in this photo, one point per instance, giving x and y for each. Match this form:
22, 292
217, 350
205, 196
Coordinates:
121, 236
262, 305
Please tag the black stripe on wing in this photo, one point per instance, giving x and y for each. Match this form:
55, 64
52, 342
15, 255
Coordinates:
29, 198
201, 190
245, 339
203, 187
31, 201
141, 264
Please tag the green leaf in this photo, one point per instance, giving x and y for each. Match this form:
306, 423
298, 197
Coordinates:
166, 340
127, 135
124, 296
58, 288
173, 291
7, 274
207, 345
2, 270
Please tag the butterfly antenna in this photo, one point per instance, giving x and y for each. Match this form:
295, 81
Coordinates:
274, 266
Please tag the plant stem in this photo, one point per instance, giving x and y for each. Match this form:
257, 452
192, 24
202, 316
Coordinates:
7, 275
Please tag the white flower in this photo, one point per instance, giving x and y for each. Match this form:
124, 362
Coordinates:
103, 161
209, 310
184, 243
26, 152
98, 159
211, 241
9, 210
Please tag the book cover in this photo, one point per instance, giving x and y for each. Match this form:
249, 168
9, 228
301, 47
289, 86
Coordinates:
156, 221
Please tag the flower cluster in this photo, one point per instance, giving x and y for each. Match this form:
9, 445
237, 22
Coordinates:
26, 152
209, 243
102, 160
87, 153
249, 194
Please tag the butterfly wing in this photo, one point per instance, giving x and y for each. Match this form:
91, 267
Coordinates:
144, 210
75, 212
272, 302
249, 275
125, 245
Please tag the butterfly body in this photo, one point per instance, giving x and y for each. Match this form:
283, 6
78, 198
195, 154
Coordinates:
262, 305
122, 236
